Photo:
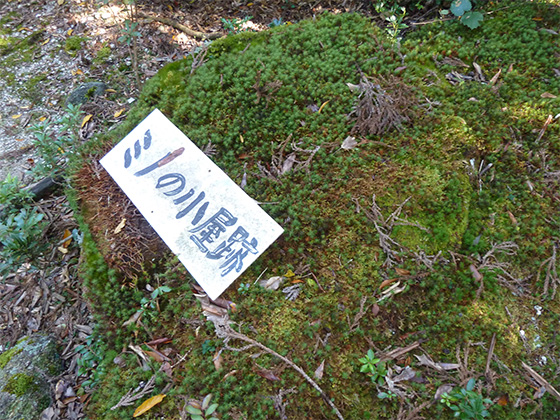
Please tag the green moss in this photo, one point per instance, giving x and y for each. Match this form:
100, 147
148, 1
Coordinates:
248, 99
73, 44
20, 384
102, 55
7, 356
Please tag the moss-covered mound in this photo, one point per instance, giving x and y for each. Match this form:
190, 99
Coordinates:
418, 189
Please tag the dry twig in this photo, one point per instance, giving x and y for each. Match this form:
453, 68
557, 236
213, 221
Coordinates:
551, 277
380, 109
541, 381
279, 403
384, 227
180, 26
135, 394
224, 331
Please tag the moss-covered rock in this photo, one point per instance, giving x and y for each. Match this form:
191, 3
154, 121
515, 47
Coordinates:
25, 371
399, 223
86, 91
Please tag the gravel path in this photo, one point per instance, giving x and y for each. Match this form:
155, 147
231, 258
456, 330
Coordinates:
38, 70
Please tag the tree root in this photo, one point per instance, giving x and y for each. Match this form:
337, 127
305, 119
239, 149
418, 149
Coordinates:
181, 27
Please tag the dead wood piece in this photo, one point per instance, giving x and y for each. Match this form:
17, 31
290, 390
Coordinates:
413, 414
135, 394
224, 331
490, 353
356, 323
42, 188
551, 277
541, 381
381, 106
181, 27
399, 351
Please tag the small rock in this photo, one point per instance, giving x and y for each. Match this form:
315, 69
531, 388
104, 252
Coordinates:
25, 372
85, 92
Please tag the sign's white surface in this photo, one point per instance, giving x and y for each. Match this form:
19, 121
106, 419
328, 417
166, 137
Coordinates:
211, 224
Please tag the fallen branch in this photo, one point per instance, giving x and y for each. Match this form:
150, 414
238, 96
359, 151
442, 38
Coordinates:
551, 278
131, 396
488, 373
541, 381
181, 27
399, 351
224, 331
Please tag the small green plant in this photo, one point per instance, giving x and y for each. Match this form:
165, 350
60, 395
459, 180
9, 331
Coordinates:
21, 226
11, 193
389, 395
152, 304
73, 44
276, 22
466, 403
463, 10
202, 411
129, 32
89, 362
243, 288
208, 347
373, 367
235, 25
55, 149
394, 16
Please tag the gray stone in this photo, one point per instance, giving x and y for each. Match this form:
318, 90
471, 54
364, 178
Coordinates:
25, 372
81, 94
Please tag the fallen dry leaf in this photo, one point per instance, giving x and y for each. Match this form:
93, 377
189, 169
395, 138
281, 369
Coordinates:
443, 389
386, 283
267, 374
475, 273
322, 106
503, 400
15, 117
167, 369
427, 361
402, 272
158, 341
218, 359
120, 226
148, 404
319, 371
349, 143
547, 95
227, 375
86, 119
119, 113
512, 218
68, 236
272, 283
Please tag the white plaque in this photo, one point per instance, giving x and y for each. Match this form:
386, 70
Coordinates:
215, 229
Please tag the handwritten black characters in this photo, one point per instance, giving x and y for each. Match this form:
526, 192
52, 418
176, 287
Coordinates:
230, 252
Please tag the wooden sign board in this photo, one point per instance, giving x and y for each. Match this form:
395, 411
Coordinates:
211, 224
